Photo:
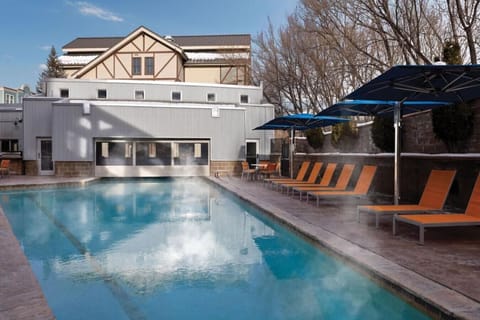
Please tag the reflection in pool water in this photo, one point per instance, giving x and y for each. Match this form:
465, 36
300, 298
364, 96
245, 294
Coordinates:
181, 249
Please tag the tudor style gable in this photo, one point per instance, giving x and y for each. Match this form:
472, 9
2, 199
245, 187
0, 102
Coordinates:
142, 55
145, 55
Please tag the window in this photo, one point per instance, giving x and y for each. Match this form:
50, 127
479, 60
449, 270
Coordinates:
102, 94
139, 95
176, 96
149, 66
153, 153
136, 66
243, 98
211, 97
9, 145
114, 153
187, 153
64, 93
9, 98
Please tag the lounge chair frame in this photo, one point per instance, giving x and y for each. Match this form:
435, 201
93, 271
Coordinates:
432, 200
471, 217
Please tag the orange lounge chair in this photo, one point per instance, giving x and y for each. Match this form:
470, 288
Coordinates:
311, 178
342, 182
433, 197
324, 182
300, 175
271, 169
471, 217
246, 171
4, 167
361, 188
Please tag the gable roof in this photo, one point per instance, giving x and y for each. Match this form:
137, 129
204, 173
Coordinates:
104, 43
123, 42
213, 40
98, 44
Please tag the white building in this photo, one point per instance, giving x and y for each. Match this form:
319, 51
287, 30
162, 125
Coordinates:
142, 128
147, 105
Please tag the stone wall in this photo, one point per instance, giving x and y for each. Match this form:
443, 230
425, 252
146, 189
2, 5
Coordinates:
73, 168
31, 167
417, 137
226, 167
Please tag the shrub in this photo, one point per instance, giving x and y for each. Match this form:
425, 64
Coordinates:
315, 137
344, 135
383, 133
453, 125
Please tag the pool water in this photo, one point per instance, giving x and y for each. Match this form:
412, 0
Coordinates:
181, 249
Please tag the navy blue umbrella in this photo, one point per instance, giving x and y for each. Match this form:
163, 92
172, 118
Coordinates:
451, 83
299, 121
405, 88
378, 107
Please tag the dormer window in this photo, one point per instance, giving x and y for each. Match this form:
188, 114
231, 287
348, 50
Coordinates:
136, 66
149, 66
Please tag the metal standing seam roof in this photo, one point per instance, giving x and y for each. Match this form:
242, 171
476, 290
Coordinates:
182, 41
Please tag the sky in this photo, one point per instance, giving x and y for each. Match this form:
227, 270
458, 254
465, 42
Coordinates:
31, 27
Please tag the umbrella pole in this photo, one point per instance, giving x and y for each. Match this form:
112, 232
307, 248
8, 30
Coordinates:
292, 150
396, 173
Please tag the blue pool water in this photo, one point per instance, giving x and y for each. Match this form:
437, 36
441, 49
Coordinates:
181, 249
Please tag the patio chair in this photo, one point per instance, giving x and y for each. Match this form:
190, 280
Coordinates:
246, 171
362, 186
311, 178
4, 167
433, 197
271, 169
341, 184
300, 175
324, 182
471, 217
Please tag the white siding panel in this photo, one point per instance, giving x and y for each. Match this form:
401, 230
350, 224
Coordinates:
74, 132
154, 90
256, 116
37, 122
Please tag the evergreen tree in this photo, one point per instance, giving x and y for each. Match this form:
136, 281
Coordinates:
53, 70
452, 52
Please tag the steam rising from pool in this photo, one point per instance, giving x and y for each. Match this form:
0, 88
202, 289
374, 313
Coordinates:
181, 249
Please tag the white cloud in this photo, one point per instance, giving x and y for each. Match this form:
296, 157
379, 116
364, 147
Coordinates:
46, 48
42, 67
89, 9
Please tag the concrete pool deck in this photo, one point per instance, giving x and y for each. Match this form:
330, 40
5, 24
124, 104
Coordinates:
445, 273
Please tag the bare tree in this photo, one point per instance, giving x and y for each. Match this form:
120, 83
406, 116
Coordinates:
330, 47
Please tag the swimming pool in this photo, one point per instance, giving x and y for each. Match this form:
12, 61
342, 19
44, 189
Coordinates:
181, 249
